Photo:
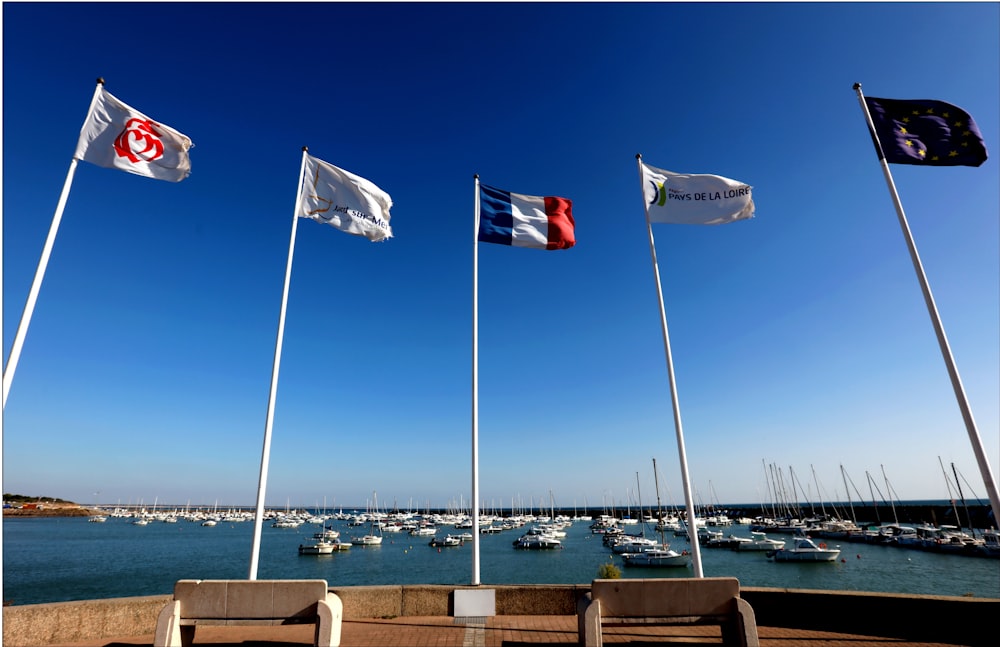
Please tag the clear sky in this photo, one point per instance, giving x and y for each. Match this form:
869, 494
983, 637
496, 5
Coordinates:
800, 338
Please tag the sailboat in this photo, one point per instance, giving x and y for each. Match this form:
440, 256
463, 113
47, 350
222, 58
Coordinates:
662, 555
374, 536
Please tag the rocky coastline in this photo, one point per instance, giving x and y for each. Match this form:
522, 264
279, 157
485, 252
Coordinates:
51, 510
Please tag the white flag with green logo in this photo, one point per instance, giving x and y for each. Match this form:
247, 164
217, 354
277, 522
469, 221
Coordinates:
689, 199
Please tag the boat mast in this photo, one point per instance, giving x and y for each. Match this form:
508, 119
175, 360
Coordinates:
843, 476
795, 479
659, 512
781, 506
964, 505
878, 517
770, 495
951, 495
888, 490
642, 522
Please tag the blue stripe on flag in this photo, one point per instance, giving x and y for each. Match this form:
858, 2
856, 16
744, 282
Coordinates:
496, 217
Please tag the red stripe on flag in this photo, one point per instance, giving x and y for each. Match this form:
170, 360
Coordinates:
562, 233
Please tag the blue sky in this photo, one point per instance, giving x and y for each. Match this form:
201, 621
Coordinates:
800, 338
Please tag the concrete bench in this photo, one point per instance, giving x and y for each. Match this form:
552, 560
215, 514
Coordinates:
249, 602
668, 601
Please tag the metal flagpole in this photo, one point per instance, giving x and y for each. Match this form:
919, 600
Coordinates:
691, 521
475, 392
258, 521
949, 360
43, 262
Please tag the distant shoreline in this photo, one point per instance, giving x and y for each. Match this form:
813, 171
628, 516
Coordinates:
51, 510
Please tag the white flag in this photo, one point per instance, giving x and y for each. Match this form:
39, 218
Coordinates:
118, 136
347, 201
685, 199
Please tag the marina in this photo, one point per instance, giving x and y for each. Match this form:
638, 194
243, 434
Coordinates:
71, 558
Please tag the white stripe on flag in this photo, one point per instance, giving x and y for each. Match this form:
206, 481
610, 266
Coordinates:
531, 224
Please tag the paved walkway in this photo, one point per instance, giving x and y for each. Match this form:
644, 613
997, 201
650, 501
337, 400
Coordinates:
499, 631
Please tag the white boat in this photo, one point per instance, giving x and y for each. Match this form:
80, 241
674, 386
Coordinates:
97, 518
760, 541
328, 533
367, 540
669, 523
991, 543
321, 547
705, 535
374, 536
657, 557
732, 542
552, 529
805, 550
537, 542
630, 544
448, 541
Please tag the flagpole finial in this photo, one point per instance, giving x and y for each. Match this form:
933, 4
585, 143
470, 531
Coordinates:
638, 156
857, 86
476, 176
305, 149
100, 80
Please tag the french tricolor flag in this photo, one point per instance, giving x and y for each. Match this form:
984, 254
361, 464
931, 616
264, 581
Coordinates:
507, 218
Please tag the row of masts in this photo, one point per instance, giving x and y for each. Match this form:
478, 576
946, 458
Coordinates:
785, 505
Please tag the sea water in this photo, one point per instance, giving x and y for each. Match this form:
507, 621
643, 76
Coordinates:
68, 558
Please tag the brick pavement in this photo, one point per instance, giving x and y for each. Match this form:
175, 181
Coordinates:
498, 631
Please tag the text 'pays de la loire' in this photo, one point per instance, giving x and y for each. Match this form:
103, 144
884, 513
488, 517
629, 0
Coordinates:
710, 195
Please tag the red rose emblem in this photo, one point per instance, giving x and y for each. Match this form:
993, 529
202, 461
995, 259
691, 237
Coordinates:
139, 141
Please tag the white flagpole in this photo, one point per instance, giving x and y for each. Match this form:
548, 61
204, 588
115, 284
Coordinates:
258, 521
43, 262
949, 360
475, 393
691, 521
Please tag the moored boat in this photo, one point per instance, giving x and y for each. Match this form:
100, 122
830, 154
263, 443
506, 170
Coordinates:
327, 533
732, 542
449, 541
991, 543
760, 541
537, 542
631, 544
657, 557
805, 550
321, 547
367, 540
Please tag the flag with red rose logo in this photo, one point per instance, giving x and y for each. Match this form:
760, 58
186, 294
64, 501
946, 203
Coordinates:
116, 135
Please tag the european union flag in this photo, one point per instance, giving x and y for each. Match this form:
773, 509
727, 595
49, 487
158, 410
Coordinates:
926, 133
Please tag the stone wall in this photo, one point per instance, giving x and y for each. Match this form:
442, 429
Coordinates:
952, 620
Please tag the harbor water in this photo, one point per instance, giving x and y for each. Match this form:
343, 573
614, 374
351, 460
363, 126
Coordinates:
68, 558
